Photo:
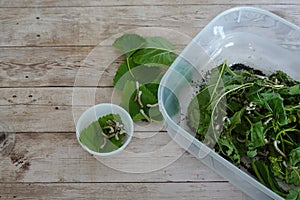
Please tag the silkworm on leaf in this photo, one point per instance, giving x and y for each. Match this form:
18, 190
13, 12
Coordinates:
139, 99
111, 129
152, 105
104, 143
277, 148
116, 136
146, 116
122, 132
137, 87
104, 135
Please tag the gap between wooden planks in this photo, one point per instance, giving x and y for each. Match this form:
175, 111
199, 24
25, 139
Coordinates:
63, 26
124, 191
57, 157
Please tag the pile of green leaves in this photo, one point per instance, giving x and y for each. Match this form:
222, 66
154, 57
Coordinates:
146, 60
254, 120
93, 138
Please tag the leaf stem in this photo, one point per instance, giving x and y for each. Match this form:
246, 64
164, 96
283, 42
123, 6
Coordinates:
257, 172
229, 91
282, 144
231, 71
249, 121
293, 107
288, 142
223, 95
128, 66
287, 130
296, 172
275, 143
218, 82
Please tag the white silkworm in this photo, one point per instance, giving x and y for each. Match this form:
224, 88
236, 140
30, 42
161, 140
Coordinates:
266, 141
277, 148
111, 129
122, 132
104, 143
261, 77
104, 135
116, 136
240, 140
137, 87
152, 105
146, 116
268, 120
289, 167
139, 99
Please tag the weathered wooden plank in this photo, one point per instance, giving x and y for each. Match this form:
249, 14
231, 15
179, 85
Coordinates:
57, 96
40, 66
83, 3
90, 25
43, 118
58, 66
55, 109
53, 157
124, 191
48, 66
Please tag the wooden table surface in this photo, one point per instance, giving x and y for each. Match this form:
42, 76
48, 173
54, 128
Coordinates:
43, 46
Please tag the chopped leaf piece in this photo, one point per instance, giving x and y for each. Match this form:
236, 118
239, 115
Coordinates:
294, 157
257, 135
261, 123
294, 90
274, 102
294, 194
91, 136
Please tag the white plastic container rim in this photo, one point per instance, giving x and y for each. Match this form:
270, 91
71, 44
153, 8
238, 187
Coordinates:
188, 138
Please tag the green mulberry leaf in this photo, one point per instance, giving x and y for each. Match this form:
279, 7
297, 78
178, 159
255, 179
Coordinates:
129, 43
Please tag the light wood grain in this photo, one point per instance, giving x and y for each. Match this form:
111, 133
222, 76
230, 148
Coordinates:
91, 25
38, 118
58, 66
55, 109
47, 66
103, 3
56, 96
21, 67
43, 46
124, 191
58, 157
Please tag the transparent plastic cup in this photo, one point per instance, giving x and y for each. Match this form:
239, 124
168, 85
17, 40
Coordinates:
93, 113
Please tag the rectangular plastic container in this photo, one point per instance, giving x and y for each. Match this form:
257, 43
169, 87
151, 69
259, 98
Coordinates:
251, 36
